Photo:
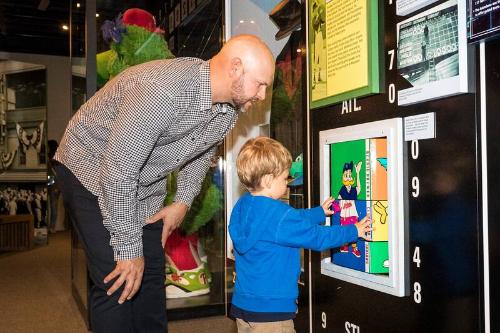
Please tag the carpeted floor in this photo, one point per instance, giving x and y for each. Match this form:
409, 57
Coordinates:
35, 294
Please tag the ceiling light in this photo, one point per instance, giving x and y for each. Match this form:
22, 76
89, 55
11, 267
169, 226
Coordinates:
65, 27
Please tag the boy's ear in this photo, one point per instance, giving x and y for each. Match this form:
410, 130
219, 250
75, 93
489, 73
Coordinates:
267, 181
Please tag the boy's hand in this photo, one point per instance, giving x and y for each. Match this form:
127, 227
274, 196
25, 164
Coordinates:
363, 227
327, 205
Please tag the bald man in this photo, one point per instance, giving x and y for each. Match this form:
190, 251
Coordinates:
151, 119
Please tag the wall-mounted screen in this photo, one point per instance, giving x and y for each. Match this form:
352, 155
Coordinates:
362, 168
484, 19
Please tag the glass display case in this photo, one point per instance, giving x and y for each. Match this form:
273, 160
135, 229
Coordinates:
110, 36
23, 150
80, 281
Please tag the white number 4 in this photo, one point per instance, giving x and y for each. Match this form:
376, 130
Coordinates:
416, 256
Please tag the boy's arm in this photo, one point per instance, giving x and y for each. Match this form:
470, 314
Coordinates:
294, 231
315, 215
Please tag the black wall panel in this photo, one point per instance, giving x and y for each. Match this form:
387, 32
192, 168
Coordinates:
492, 51
444, 220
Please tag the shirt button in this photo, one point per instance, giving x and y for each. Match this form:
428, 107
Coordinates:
192, 139
177, 160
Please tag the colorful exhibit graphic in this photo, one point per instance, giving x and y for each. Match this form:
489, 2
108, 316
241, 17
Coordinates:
361, 167
358, 180
432, 54
343, 43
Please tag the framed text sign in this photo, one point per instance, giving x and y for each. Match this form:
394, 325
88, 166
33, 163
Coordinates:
344, 49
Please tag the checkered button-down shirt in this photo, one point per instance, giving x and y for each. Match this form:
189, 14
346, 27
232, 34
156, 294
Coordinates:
148, 121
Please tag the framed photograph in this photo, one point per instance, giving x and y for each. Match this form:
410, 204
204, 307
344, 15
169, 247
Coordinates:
483, 19
432, 55
171, 22
361, 167
405, 7
171, 42
177, 15
184, 9
192, 5
344, 48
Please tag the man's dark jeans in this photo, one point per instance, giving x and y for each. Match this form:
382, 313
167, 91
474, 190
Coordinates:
146, 312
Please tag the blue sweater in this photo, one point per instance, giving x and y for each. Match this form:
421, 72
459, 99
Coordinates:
267, 235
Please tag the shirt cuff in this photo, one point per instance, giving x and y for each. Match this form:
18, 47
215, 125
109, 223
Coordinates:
128, 251
185, 198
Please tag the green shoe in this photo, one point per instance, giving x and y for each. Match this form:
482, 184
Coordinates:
186, 283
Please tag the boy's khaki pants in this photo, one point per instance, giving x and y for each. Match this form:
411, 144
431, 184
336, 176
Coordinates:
285, 326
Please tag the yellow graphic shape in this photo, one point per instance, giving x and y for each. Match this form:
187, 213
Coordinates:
380, 221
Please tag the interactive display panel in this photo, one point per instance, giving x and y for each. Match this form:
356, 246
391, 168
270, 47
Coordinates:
362, 168
484, 19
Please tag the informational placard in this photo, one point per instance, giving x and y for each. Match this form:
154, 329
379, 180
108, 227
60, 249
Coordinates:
484, 19
405, 7
432, 53
344, 49
419, 127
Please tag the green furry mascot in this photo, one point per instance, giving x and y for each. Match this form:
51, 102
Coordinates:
133, 39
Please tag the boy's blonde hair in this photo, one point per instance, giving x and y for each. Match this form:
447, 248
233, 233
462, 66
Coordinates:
259, 157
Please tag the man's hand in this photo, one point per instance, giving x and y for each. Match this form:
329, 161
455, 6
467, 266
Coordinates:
130, 272
172, 216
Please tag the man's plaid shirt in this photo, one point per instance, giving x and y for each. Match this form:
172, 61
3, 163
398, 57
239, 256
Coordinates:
148, 121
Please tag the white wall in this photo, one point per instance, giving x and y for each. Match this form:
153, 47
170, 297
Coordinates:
248, 17
58, 88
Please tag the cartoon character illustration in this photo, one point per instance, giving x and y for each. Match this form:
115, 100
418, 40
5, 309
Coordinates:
347, 197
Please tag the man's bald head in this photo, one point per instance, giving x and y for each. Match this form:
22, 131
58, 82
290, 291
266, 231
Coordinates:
242, 71
250, 48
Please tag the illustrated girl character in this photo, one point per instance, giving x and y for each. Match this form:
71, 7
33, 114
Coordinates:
347, 196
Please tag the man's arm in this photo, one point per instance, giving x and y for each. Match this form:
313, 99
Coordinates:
189, 182
191, 176
143, 115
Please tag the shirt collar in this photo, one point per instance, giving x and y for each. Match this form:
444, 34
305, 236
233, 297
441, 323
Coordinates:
206, 92
205, 87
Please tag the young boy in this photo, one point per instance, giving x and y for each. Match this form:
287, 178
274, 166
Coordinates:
268, 234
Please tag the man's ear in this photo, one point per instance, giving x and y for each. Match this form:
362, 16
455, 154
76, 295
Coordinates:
236, 69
